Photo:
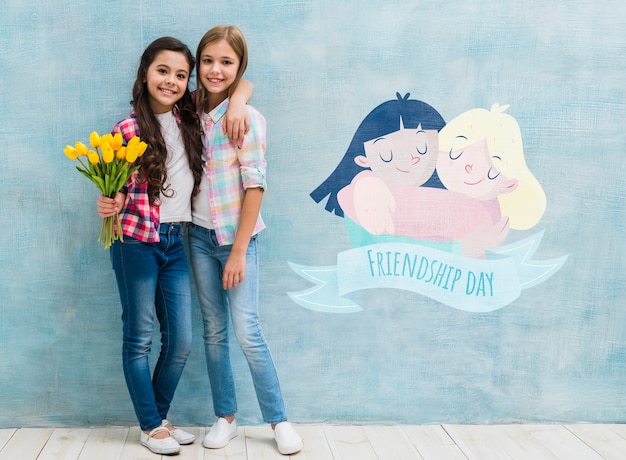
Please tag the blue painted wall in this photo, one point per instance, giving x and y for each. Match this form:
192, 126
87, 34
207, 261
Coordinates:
557, 353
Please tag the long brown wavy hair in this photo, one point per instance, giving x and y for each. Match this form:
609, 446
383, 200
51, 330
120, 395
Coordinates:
153, 162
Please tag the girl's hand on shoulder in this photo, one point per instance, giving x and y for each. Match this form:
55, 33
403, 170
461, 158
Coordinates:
236, 122
107, 207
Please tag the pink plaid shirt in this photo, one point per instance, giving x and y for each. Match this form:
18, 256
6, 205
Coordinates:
140, 219
231, 170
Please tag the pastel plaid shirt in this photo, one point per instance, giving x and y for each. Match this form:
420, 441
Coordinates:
231, 170
139, 219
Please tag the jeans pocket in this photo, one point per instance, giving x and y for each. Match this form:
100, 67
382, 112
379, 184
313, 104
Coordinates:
130, 240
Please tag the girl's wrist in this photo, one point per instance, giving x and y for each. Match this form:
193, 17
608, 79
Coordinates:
237, 250
238, 99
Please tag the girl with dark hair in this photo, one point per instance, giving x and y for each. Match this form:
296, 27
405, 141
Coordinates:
154, 208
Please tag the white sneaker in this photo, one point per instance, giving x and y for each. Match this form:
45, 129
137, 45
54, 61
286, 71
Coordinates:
287, 440
220, 433
165, 446
181, 436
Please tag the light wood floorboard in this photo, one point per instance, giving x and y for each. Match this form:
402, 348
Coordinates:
432, 442
335, 442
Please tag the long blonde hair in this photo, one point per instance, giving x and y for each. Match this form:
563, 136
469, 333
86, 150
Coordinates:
234, 37
526, 204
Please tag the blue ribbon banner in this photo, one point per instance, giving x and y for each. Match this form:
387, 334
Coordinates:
473, 285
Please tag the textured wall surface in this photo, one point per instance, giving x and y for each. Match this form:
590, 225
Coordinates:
557, 353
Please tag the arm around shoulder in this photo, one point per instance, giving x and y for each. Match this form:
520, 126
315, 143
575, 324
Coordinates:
236, 121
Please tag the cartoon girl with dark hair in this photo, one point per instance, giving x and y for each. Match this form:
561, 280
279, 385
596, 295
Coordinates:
414, 166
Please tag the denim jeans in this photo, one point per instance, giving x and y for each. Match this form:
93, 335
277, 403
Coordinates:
208, 260
153, 278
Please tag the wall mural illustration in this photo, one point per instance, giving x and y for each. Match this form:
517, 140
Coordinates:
428, 206
376, 300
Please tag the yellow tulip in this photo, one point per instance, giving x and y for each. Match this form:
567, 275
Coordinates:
108, 137
142, 148
70, 152
107, 151
94, 139
81, 149
131, 154
117, 141
135, 148
133, 142
121, 153
93, 157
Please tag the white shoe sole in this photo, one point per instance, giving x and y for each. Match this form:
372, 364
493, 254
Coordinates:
290, 450
220, 445
156, 450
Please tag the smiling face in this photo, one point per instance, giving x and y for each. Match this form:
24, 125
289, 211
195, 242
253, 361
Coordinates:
405, 157
471, 170
217, 70
166, 80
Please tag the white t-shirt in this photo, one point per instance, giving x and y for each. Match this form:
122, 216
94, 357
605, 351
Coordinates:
201, 206
177, 207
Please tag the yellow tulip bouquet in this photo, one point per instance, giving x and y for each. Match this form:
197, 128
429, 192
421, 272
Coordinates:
109, 165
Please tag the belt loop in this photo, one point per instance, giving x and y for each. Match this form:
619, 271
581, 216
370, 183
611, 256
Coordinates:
173, 228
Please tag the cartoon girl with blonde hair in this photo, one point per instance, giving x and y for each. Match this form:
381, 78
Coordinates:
481, 156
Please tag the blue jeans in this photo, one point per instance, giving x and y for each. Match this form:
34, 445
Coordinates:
208, 260
153, 278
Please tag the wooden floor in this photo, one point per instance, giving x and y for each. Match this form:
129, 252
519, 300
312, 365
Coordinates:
335, 442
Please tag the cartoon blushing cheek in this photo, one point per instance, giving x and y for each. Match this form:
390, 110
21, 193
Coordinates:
468, 170
471, 171
404, 157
